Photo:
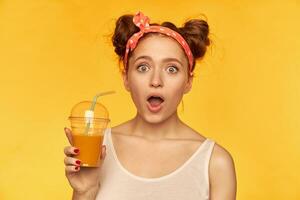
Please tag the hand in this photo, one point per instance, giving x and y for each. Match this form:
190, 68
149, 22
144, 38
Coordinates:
84, 179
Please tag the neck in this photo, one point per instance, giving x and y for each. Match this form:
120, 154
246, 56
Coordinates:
168, 128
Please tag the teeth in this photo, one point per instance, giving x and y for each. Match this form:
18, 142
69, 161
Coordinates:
155, 97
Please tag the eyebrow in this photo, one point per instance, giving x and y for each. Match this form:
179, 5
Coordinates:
164, 60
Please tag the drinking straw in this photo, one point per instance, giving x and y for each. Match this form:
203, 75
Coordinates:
93, 107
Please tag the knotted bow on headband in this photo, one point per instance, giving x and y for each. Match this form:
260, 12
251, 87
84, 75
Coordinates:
142, 21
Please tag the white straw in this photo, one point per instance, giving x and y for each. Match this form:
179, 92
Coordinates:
93, 107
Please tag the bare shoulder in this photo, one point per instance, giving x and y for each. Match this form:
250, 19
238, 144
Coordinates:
221, 156
222, 175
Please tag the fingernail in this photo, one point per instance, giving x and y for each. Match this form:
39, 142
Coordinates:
77, 167
76, 150
78, 162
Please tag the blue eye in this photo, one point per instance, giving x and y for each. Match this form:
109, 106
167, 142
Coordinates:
174, 69
142, 68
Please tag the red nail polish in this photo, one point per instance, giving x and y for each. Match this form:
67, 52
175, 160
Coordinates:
76, 150
78, 162
77, 167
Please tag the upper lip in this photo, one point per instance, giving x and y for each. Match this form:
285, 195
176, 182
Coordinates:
155, 95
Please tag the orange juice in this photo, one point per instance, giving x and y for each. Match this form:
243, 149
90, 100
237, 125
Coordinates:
89, 149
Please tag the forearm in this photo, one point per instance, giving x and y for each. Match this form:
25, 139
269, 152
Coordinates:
88, 195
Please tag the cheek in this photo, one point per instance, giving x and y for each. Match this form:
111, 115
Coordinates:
176, 85
175, 90
137, 89
137, 83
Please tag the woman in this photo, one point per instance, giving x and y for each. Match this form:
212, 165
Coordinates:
155, 155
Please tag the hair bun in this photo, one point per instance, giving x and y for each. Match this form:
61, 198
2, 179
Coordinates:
125, 28
196, 31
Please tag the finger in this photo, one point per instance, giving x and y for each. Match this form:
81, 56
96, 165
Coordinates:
103, 152
71, 151
71, 168
69, 135
72, 161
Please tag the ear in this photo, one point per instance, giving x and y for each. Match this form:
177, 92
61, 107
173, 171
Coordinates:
188, 85
125, 81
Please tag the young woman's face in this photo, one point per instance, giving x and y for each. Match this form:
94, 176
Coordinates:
158, 66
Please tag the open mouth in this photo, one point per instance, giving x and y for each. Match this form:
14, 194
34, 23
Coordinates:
155, 101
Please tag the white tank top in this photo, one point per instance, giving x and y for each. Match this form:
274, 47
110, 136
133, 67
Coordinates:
189, 182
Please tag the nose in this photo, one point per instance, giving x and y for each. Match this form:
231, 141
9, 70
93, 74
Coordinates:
156, 79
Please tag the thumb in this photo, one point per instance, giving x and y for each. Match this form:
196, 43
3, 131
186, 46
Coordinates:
69, 135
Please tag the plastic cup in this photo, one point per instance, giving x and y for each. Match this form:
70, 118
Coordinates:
89, 119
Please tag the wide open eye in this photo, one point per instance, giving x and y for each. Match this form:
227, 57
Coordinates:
172, 69
142, 68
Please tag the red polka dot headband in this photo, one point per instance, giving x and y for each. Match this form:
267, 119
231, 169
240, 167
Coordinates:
142, 22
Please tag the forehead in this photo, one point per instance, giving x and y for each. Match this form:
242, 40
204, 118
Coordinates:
159, 47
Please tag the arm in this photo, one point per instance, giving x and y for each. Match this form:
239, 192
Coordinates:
222, 175
89, 195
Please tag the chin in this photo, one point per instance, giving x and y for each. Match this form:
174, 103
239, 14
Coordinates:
155, 118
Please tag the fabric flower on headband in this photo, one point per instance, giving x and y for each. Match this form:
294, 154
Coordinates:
142, 21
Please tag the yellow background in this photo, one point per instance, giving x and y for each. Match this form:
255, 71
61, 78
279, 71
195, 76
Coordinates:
54, 54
